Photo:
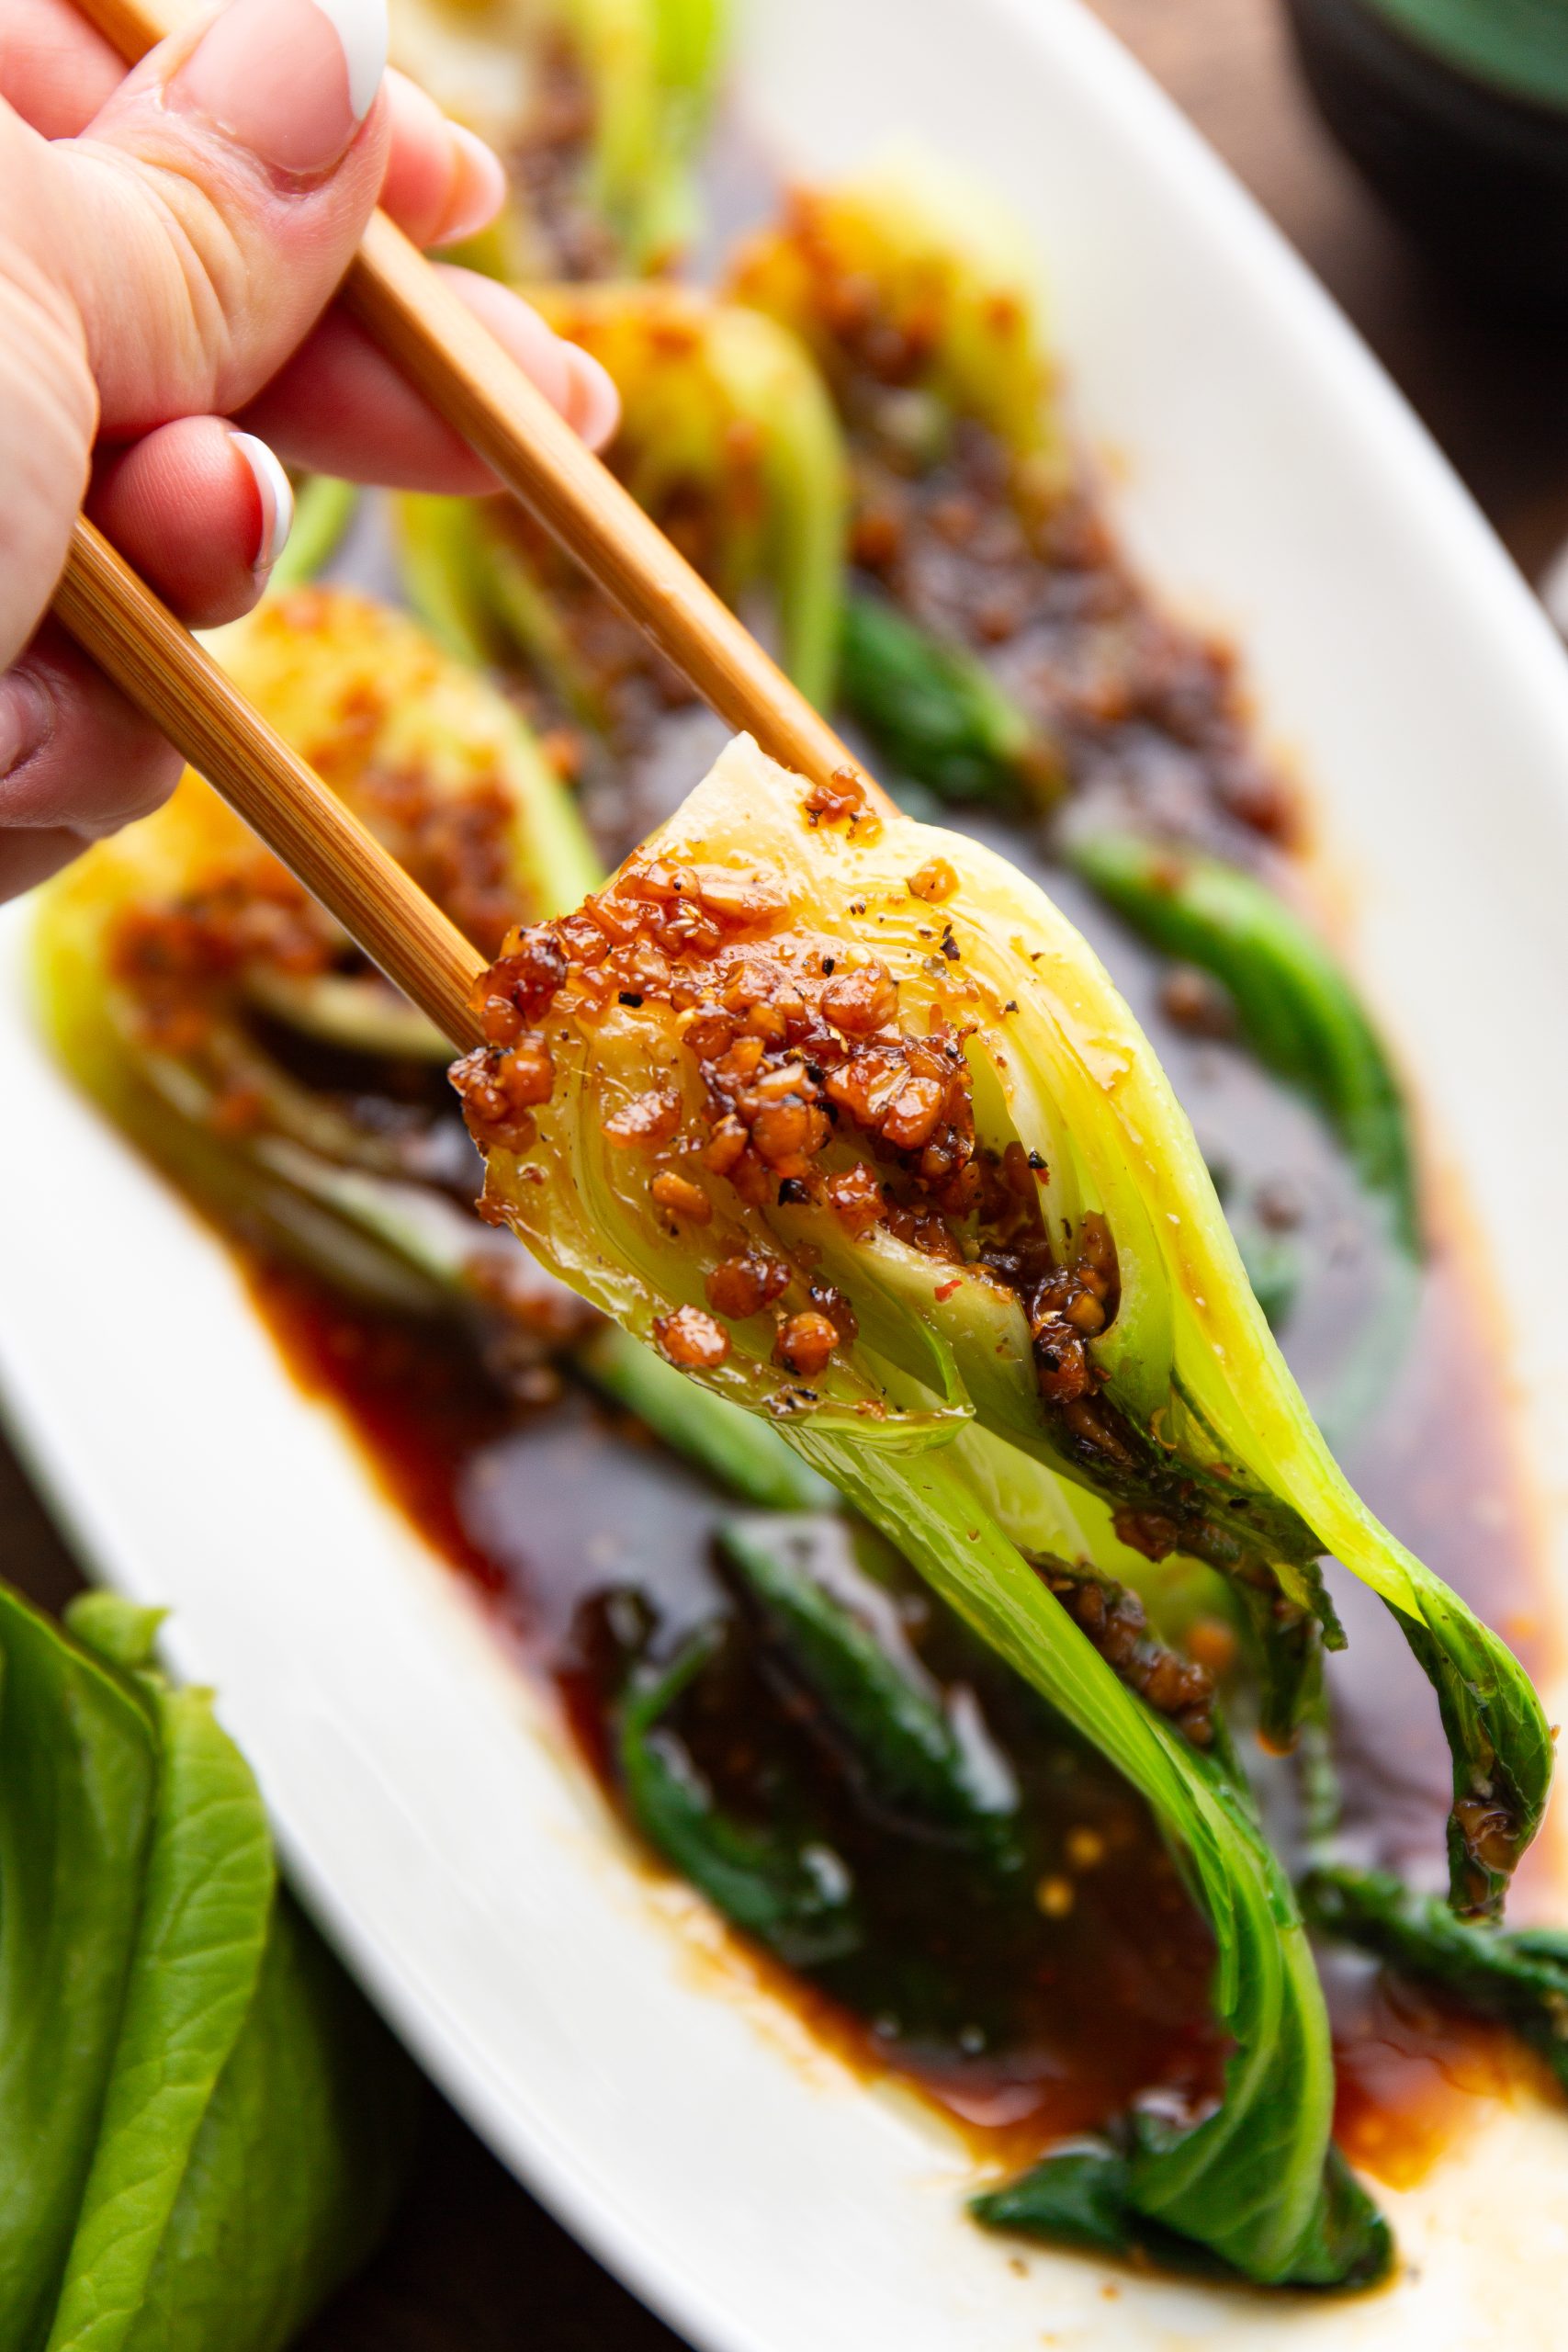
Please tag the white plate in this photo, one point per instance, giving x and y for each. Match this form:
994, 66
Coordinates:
753, 2192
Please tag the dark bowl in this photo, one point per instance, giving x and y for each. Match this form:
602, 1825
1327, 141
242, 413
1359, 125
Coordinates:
1478, 176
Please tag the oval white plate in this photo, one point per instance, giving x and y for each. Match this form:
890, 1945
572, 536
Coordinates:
760, 2198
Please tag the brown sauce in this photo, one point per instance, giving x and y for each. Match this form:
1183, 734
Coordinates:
1145, 717
1409, 2072
1018, 2021
1022, 2016
1018, 2024
548, 168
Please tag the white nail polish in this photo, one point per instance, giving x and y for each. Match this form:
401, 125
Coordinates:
277, 496
361, 26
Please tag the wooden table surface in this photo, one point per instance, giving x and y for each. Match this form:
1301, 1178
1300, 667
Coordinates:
474, 2265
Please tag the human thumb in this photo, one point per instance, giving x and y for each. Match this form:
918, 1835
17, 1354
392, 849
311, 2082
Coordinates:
211, 208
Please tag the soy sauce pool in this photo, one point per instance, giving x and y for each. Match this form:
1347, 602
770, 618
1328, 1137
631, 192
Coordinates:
1023, 2011
1045, 2007
1022, 2020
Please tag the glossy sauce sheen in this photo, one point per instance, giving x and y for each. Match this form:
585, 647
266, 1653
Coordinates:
1019, 2022
1048, 2006
1022, 2022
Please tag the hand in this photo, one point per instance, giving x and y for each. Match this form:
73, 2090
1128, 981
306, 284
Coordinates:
169, 242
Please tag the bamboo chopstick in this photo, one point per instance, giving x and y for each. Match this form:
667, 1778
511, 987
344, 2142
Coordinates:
466, 376
156, 662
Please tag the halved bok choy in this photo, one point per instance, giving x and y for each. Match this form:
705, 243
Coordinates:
915, 296
726, 438
223, 1019
847, 1116
229, 1027
595, 105
839, 1112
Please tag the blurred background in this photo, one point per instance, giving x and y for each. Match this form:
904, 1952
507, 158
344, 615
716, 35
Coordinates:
1436, 212
1470, 314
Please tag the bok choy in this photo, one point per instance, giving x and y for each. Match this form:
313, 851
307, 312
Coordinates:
887, 1158
792, 1894
595, 105
841, 1114
936, 712
1517, 1977
911, 267
1294, 1006
223, 1022
727, 439
204, 2128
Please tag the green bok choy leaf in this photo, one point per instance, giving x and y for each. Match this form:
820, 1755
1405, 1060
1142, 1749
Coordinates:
1255, 2188
888, 1711
1300, 1015
204, 2128
934, 710
1294, 1006
794, 1896
1517, 1976
1256, 2183
929, 1173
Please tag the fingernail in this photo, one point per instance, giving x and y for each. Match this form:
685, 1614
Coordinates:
292, 80
26, 721
478, 187
276, 495
593, 405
